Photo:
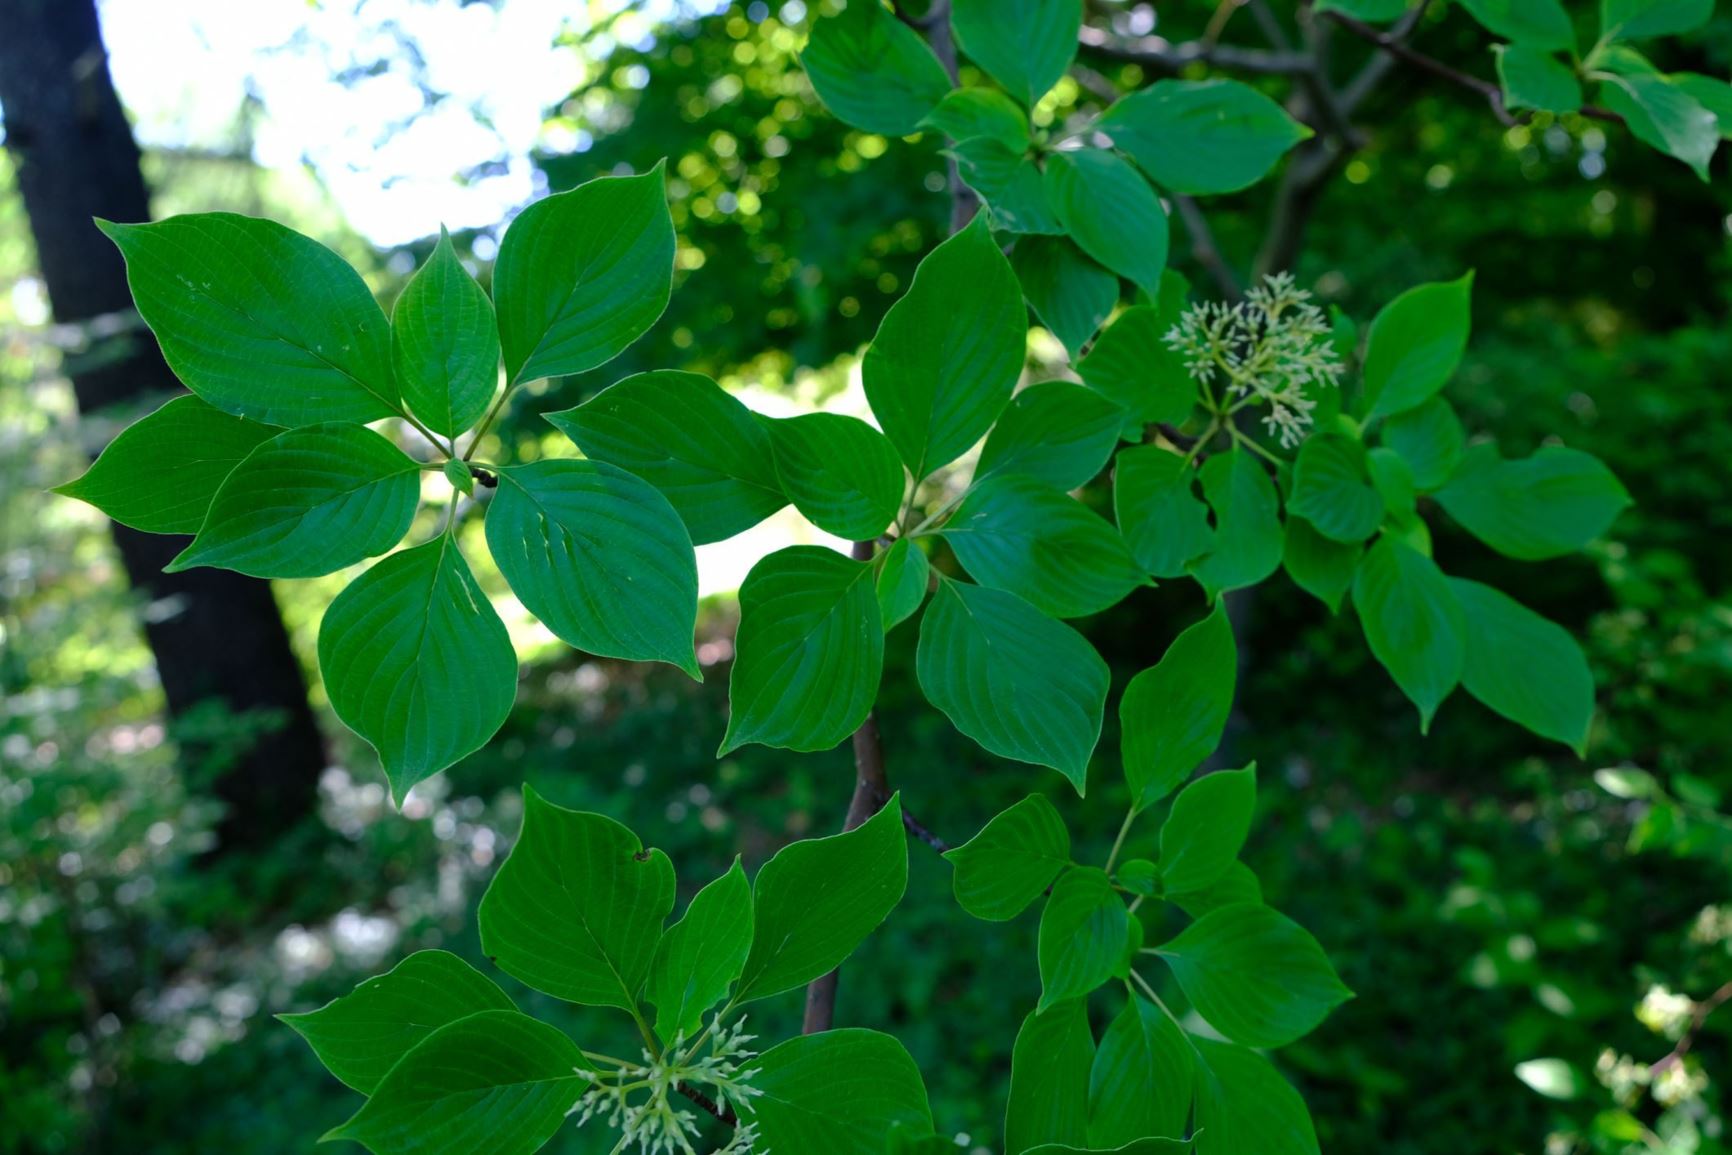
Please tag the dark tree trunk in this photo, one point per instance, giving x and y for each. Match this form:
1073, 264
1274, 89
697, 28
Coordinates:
217, 636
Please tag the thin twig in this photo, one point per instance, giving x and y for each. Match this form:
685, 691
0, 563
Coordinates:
1163, 55
1697, 1017
726, 1115
1204, 249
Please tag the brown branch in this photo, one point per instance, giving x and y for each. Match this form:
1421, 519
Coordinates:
1697, 1017
708, 1104
1203, 247
1164, 55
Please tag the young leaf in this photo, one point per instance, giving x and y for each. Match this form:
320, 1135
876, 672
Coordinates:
1664, 116
808, 652
1025, 45
841, 474
416, 661
600, 557
1131, 364
1202, 136
1011, 678
1206, 829
1527, 669
577, 910
1164, 521
1009, 180
582, 274
1238, 885
1714, 95
873, 71
1049, 1079
1243, 1104
1642, 19
1332, 489
1415, 344
1083, 932
691, 439
495, 1083
1012, 861
1070, 294
161, 472
1247, 524
701, 955
1533, 508
1111, 212
1057, 432
259, 320
948, 354
844, 1092
1393, 480
967, 113
1541, 24
1172, 714
818, 899
1429, 438
1141, 1080
1534, 78
1257, 976
1412, 623
445, 344
1322, 568
360, 1036
1015, 534
903, 575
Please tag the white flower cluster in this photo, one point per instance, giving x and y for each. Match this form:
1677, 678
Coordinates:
1268, 347
660, 1123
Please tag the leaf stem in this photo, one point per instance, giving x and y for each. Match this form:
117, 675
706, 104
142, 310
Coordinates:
1119, 842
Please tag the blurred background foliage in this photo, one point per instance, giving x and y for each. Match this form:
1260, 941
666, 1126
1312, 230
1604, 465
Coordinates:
1525, 936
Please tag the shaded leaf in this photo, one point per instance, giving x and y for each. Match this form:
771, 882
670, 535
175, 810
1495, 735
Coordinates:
1247, 544
841, 474
1025, 45
701, 955
1164, 521
1057, 432
1049, 1079
1012, 861
1141, 1080
1202, 136
1071, 294
903, 575
1206, 829
1526, 668
1533, 508
445, 343
1111, 212
1083, 932
1412, 623
845, 1091
1173, 713
873, 71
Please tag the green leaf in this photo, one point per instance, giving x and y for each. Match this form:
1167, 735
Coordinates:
161, 472
1111, 212
1009, 181
701, 955
1135, 1147
445, 344
818, 899
259, 320
1257, 976
1131, 364
1202, 136
1322, 568
1393, 480
1243, 1104
1012, 861
967, 113
948, 354
308, 502
1380, 11
1057, 432
1540, 24
1429, 438
495, 1083
1412, 623
1070, 294
808, 653
1025, 45
457, 472
903, 576
582, 274
1332, 489
1238, 885
1164, 521
1641, 19
1533, 508
577, 909
1011, 678
691, 439
1714, 95
1206, 829
600, 557
1172, 714
1415, 344
1083, 932
1141, 1081
1534, 78
1664, 116
844, 1092
1138, 875
841, 474
1527, 669
1247, 524
1049, 1079
360, 1036
1015, 534
873, 71
416, 661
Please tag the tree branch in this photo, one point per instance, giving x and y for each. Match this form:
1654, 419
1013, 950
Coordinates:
1204, 249
708, 1104
1164, 55
1697, 1017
